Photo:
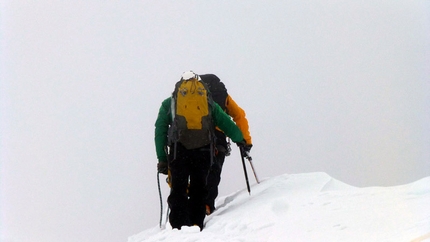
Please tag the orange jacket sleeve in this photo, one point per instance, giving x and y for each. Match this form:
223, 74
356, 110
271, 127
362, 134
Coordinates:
239, 117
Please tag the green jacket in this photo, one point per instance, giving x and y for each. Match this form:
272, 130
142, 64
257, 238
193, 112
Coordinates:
164, 119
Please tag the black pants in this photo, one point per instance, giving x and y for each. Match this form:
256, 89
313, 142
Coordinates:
187, 202
214, 177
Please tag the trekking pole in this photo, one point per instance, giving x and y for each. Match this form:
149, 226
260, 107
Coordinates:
167, 217
161, 199
168, 180
244, 169
249, 158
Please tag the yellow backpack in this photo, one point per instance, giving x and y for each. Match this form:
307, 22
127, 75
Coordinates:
191, 114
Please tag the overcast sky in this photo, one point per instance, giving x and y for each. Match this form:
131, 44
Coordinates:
340, 87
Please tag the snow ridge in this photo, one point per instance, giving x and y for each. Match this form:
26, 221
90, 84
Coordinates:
311, 207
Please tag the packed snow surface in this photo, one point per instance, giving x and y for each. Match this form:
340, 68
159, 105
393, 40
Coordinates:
311, 207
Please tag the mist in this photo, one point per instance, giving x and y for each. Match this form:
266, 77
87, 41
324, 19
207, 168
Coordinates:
328, 86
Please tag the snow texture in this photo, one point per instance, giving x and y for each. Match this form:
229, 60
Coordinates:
311, 207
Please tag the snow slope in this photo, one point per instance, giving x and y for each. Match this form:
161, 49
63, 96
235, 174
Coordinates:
312, 207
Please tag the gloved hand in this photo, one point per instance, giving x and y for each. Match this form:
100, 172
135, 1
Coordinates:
246, 147
162, 167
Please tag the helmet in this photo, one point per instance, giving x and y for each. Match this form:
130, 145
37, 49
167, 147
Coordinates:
189, 75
